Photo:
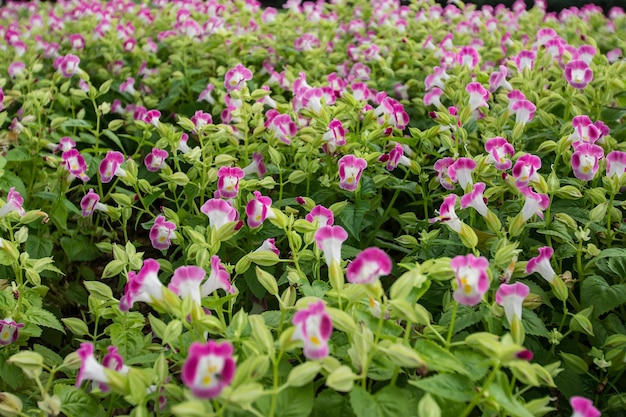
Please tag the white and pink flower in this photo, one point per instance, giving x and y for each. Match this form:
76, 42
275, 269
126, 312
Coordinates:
329, 240
447, 214
313, 327
91, 202
155, 160
500, 151
161, 233
220, 212
186, 282
219, 278
228, 182
471, 278
586, 160
368, 266
15, 201
350, 171
461, 171
578, 73
535, 203
110, 166
511, 297
209, 368
525, 170
143, 286
258, 209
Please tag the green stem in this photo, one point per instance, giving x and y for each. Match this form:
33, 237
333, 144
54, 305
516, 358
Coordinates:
385, 213
470, 407
609, 233
275, 385
452, 320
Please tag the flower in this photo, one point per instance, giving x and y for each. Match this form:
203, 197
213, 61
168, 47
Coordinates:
511, 297
200, 119
270, 245
535, 203
186, 282
16, 69
152, 117
578, 73
236, 77
155, 160
461, 171
219, 212
585, 160
205, 95
499, 149
525, 59
447, 214
258, 209
584, 130
524, 111
541, 264
90, 368
9, 331
313, 327
467, 56
335, 136
74, 162
228, 182
323, 216
471, 277
257, 166
329, 240
525, 170
161, 233
113, 360
392, 112
498, 79
475, 199
281, 125
209, 367
91, 202
350, 170
395, 157
583, 407
368, 266
441, 167
143, 286
218, 278
110, 166
615, 163
14, 203
433, 97
67, 65
478, 95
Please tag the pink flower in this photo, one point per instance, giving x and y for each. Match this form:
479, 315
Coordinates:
67, 65
205, 95
9, 331
182, 144
525, 59
499, 152
143, 286
578, 73
236, 77
270, 245
161, 233
478, 95
14, 203
228, 182
128, 86
186, 282
441, 167
511, 297
155, 160
525, 170
461, 171
585, 160
585, 53
76, 41
524, 111
91, 202
313, 327
281, 125
395, 157
113, 360
535, 203
433, 97
16, 69
329, 240
152, 117
467, 56
257, 166
392, 112
200, 119
258, 209
583, 407
219, 212
322, 215
335, 136
436, 79
90, 368
110, 166
615, 163
74, 162
498, 79
585, 130
368, 266
514, 96
350, 171
471, 278
219, 278
447, 214
475, 199
209, 368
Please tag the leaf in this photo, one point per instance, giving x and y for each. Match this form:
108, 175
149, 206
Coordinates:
388, 402
79, 248
331, 403
77, 403
451, 387
50, 358
533, 325
129, 341
41, 317
352, 217
466, 317
596, 292
10, 374
291, 402
38, 247
439, 359
499, 390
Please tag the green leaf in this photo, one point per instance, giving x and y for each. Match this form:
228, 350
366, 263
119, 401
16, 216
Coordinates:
291, 402
128, 341
331, 403
451, 387
41, 317
49, 357
439, 359
352, 217
79, 248
533, 325
388, 402
500, 391
77, 403
38, 247
596, 292
466, 317
10, 374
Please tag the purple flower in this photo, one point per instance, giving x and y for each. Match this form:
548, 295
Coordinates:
14, 203
200, 119
368, 266
461, 171
471, 278
525, 59
475, 199
218, 278
578, 73
467, 56
442, 168
236, 77
258, 209
313, 327
74, 162
335, 136
143, 286
128, 86
329, 240
205, 95
155, 160
67, 65
511, 297
281, 125
541, 264
323, 216
209, 368
257, 166
498, 79
499, 152
219, 212
16, 69
350, 170
269, 244
524, 111
585, 160
447, 214
90, 368
152, 117
478, 95
9, 331
91, 202
514, 96
433, 97
395, 157
583, 407
113, 360
161, 233
110, 166
228, 182
525, 170
535, 203
186, 282
615, 163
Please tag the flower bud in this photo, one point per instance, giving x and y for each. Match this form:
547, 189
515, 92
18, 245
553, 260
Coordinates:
341, 379
267, 280
303, 374
10, 405
559, 289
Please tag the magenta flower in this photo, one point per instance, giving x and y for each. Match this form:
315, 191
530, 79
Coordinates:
161, 233
615, 163
583, 407
461, 171
524, 111
585, 160
436, 79
335, 136
471, 278
498, 79
541, 264
525, 170
578, 73
143, 286
270, 245
478, 95
313, 327
186, 282
228, 182
329, 240
205, 95
236, 77
447, 214
499, 152
16, 69
392, 112
128, 86
90, 368
14, 203
74, 162
258, 209
76, 41
525, 59
155, 160
113, 360
9, 331
585, 130
91, 202
467, 56
1, 99
152, 117
219, 278
312, 99
67, 65
442, 168
585, 53
209, 368
182, 144
535, 203
200, 119
395, 157
281, 125
368, 266
322, 215
257, 166
110, 166
219, 212
350, 170
433, 97
475, 199
514, 96
511, 297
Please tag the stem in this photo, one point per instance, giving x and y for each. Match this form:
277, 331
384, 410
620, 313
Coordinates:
609, 233
452, 320
385, 213
275, 385
476, 398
